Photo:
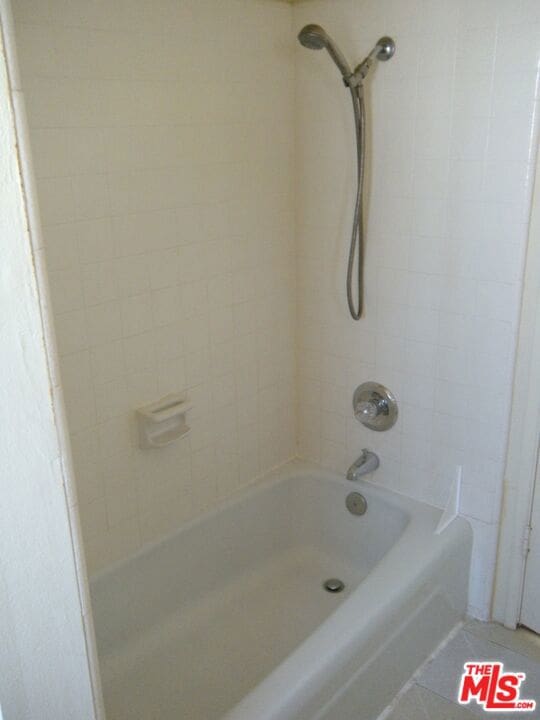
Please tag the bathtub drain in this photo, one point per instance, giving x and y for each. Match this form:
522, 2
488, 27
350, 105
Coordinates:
333, 585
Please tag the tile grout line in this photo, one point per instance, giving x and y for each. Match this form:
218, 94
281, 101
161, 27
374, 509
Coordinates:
501, 644
413, 680
414, 683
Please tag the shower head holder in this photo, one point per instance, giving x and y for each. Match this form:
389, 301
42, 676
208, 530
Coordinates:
383, 50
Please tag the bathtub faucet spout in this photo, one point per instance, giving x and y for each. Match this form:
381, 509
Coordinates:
366, 463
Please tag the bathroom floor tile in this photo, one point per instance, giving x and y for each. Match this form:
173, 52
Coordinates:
443, 673
433, 695
418, 703
521, 640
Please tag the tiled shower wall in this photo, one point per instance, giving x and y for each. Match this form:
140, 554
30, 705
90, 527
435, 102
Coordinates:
165, 180
163, 144
451, 126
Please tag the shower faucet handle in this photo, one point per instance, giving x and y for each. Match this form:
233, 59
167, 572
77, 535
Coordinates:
375, 406
369, 409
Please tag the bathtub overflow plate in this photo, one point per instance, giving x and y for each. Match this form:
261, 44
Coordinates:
333, 585
356, 503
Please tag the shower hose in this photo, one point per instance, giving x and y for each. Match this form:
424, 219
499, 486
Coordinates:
357, 235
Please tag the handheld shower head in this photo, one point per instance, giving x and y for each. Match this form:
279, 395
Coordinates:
315, 37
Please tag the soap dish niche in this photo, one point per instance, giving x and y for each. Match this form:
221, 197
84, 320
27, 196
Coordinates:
163, 421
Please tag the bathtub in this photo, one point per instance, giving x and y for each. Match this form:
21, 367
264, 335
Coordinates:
228, 617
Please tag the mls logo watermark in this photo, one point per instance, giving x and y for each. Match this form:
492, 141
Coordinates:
487, 684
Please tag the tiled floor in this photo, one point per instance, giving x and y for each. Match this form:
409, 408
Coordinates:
433, 696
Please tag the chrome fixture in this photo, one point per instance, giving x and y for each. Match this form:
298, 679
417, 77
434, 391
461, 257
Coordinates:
375, 406
315, 37
367, 462
334, 585
356, 503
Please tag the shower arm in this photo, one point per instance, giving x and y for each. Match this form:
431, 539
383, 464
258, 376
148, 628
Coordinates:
383, 50
357, 78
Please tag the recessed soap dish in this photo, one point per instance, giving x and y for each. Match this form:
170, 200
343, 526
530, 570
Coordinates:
164, 421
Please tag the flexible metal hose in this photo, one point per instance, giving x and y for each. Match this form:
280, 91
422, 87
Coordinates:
357, 235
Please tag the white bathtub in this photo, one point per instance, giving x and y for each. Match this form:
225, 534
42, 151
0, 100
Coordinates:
228, 618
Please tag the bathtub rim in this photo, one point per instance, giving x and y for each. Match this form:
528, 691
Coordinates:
408, 562
295, 468
333, 640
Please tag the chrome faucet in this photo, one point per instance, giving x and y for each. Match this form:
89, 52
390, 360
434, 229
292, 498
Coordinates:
366, 463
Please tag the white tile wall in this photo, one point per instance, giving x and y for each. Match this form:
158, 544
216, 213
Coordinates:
452, 135
169, 176
165, 173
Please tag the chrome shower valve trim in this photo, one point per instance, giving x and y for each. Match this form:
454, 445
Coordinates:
375, 406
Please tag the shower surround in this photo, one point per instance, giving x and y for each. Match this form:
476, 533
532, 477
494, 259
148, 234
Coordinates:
453, 148
176, 147
165, 180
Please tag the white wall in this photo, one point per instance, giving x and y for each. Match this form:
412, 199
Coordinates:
43, 664
451, 119
164, 165
522, 457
